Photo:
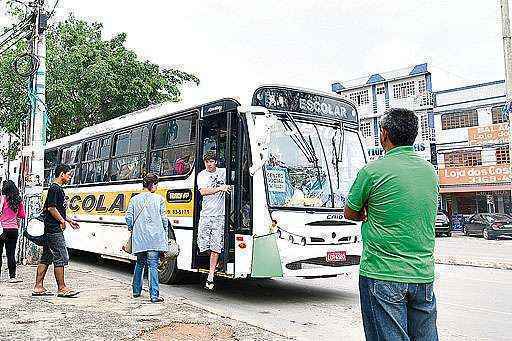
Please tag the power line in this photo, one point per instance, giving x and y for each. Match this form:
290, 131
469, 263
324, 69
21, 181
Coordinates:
53, 10
3, 50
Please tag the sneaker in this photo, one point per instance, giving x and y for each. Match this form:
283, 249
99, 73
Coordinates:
136, 295
209, 285
157, 300
15, 280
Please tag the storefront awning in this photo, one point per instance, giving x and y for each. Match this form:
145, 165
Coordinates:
476, 188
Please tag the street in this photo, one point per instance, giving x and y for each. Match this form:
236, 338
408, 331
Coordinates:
471, 301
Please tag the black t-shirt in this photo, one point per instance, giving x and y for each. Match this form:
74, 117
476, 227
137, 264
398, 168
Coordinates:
55, 199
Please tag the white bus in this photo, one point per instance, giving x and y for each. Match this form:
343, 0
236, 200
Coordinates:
291, 157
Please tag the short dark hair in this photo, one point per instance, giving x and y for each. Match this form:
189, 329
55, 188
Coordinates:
149, 180
401, 125
62, 168
209, 155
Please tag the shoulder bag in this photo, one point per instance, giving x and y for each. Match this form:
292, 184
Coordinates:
127, 246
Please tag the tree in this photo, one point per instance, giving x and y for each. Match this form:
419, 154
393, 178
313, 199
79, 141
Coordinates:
89, 80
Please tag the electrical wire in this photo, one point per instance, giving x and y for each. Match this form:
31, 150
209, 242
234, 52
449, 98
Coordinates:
53, 10
22, 21
14, 35
34, 64
3, 50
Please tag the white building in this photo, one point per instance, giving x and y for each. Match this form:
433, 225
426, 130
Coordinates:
4, 163
409, 88
472, 149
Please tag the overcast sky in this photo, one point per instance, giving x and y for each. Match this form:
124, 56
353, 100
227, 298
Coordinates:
234, 45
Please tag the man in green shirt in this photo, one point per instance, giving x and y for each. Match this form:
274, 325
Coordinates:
396, 198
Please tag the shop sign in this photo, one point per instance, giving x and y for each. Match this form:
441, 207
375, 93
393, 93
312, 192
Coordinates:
489, 134
421, 148
475, 175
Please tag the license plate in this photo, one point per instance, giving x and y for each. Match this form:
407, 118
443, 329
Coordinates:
336, 256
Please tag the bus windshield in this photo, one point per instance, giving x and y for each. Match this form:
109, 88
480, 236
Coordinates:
311, 165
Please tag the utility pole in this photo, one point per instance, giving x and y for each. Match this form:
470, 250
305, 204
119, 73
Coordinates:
32, 170
507, 54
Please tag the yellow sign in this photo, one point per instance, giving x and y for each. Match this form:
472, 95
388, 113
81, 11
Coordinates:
490, 134
179, 203
475, 175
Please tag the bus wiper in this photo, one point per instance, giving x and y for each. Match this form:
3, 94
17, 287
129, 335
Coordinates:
307, 149
338, 155
299, 143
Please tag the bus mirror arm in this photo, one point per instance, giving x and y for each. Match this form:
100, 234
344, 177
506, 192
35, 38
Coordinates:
257, 166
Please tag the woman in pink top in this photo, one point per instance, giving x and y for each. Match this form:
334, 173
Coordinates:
12, 210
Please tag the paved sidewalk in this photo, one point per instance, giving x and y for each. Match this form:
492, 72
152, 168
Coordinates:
474, 251
104, 310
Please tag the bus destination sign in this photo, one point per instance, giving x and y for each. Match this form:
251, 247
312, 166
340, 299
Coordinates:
292, 100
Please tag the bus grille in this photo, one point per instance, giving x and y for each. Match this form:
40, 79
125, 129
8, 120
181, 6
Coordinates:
320, 261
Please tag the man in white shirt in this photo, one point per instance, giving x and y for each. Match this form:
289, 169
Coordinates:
212, 186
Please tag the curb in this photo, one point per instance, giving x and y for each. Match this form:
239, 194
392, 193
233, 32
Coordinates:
473, 263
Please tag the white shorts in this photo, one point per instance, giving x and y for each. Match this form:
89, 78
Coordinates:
210, 234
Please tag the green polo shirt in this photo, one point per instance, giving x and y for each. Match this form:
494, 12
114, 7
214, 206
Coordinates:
400, 192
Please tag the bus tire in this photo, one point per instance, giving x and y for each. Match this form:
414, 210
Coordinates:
168, 272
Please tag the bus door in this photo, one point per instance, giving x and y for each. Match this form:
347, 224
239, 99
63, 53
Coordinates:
220, 132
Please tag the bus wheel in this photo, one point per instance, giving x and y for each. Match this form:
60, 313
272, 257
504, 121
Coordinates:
168, 272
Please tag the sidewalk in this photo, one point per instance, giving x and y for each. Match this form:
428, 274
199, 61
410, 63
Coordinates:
473, 251
104, 310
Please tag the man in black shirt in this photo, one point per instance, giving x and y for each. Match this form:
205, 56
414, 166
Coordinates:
55, 251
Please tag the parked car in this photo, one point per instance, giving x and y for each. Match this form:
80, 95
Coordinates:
443, 224
489, 225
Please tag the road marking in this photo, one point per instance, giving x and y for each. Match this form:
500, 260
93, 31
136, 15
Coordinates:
465, 307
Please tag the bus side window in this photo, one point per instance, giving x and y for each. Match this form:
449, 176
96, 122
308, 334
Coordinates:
95, 156
129, 159
71, 156
173, 146
51, 158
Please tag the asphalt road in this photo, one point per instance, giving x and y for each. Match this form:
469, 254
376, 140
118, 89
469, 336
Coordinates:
473, 303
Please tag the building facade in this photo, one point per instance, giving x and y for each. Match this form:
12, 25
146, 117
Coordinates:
8, 169
409, 88
473, 156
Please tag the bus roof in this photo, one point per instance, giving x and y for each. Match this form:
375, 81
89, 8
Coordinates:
147, 114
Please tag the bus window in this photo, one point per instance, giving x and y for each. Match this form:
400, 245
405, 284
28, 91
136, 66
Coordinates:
95, 155
129, 159
50, 162
128, 168
71, 156
104, 151
173, 147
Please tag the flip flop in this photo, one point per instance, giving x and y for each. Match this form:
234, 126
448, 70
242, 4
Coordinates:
42, 293
68, 294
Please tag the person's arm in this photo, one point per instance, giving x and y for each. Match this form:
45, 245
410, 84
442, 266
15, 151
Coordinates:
21, 211
355, 207
56, 215
51, 206
214, 190
205, 189
129, 216
350, 214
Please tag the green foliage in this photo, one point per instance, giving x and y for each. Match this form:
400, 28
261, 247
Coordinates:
88, 80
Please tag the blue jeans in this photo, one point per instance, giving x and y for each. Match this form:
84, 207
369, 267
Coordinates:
149, 258
398, 311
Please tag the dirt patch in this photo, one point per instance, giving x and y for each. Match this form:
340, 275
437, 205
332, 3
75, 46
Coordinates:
190, 331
